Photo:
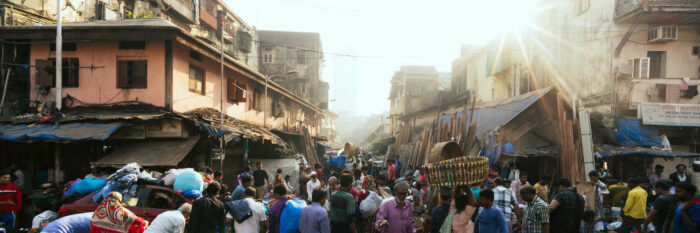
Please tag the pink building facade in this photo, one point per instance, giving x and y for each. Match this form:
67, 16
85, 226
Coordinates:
153, 61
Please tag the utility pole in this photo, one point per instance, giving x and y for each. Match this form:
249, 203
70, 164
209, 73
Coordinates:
59, 57
59, 85
222, 154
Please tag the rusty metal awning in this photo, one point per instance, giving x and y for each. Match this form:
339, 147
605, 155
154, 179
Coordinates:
164, 152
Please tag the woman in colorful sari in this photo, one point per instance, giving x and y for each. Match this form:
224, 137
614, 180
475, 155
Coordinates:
111, 217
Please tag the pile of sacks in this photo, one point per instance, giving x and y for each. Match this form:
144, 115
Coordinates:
187, 181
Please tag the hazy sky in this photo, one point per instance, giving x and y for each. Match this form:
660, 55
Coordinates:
382, 35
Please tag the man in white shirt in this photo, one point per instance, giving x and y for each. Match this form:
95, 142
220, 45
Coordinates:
257, 221
46, 215
312, 184
171, 221
24, 180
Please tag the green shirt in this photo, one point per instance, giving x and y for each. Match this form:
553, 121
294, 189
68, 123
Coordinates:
342, 207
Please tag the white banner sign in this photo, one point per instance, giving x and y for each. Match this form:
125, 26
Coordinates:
670, 114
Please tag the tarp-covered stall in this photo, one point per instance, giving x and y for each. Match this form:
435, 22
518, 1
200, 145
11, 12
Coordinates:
166, 153
71, 132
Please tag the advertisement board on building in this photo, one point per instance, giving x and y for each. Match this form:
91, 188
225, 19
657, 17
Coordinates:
670, 114
164, 128
131, 131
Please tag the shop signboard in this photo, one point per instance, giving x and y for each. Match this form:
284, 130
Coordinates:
670, 114
132, 131
164, 128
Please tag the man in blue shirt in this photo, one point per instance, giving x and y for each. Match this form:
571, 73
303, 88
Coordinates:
686, 217
240, 190
314, 218
440, 212
490, 219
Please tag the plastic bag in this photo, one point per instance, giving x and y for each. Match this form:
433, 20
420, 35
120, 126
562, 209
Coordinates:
188, 180
144, 175
192, 193
338, 161
370, 205
289, 220
87, 185
169, 179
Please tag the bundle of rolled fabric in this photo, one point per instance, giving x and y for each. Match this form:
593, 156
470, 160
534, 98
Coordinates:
122, 181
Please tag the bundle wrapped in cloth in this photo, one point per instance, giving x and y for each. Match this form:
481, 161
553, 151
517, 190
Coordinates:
121, 181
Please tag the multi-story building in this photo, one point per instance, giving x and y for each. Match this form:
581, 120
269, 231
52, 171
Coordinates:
413, 88
295, 60
630, 59
169, 54
494, 71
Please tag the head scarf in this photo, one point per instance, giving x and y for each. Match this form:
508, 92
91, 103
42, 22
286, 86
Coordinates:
369, 184
111, 217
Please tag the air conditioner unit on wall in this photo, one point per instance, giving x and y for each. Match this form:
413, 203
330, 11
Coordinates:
663, 34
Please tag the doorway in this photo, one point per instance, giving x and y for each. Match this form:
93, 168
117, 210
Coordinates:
657, 66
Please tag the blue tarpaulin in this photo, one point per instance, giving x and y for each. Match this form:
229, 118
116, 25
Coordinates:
606, 151
631, 133
63, 132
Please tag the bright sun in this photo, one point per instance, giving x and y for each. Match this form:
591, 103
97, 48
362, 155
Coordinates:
517, 15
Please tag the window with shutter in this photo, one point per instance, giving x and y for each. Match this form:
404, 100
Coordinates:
44, 73
644, 67
132, 73
70, 72
140, 69
231, 90
242, 95
673, 93
196, 82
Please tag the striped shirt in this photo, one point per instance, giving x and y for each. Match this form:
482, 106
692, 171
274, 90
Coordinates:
535, 216
505, 200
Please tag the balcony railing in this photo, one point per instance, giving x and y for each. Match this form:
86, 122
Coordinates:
623, 7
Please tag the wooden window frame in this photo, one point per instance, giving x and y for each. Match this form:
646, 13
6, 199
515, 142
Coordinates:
128, 75
46, 72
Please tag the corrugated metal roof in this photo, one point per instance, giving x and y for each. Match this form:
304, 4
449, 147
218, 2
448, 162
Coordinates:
164, 152
245, 129
491, 115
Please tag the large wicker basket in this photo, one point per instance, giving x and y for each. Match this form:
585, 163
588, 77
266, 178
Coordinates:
458, 171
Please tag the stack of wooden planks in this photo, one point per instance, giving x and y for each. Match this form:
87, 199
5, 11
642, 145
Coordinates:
413, 148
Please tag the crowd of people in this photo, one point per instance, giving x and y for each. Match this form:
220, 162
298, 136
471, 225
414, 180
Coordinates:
369, 198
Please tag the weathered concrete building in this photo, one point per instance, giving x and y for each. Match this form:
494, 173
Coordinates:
167, 54
413, 88
295, 60
495, 71
627, 60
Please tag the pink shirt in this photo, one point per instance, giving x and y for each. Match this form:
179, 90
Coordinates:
400, 219
462, 221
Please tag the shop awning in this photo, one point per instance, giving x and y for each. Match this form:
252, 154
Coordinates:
608, 151
62, 133
162, 152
